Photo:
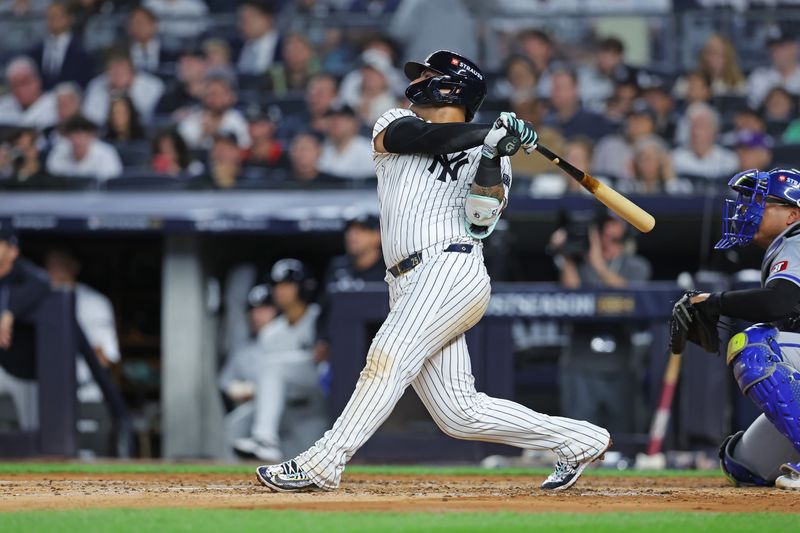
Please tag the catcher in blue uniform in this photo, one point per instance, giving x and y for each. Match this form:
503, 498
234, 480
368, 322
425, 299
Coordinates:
764, 358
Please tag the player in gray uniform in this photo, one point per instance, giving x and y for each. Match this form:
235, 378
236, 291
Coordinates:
765, 358
286, 369
442, 186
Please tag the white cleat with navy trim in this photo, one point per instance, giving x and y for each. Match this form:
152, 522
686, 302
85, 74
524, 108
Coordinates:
285, 477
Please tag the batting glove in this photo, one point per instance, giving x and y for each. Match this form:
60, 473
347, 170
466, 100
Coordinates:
492, 138
522, 129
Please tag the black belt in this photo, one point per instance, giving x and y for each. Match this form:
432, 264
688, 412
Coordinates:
413, 260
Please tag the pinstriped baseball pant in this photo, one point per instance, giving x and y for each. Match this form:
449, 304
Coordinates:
422, 344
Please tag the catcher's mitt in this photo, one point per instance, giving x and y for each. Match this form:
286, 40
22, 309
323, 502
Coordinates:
693, 322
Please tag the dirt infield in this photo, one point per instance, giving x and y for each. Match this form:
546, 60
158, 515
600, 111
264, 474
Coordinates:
396, 493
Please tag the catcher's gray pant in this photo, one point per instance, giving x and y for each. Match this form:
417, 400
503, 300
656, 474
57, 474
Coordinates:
422, 344
763, 449
25, 395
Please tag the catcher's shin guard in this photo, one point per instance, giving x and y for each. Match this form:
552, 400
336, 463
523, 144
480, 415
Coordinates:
736, 472
763, 376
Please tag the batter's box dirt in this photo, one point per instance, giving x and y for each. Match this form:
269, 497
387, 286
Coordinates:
363, 492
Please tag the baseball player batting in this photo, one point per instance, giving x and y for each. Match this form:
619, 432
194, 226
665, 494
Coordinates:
442, 185
764, 358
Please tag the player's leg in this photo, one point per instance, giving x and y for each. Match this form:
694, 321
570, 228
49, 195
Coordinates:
446, 386
418, 324
25, 395
276, 383
766, 365
238, 425
755, 456
790, 348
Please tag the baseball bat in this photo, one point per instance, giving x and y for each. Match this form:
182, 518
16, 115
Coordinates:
632, 213
658, 427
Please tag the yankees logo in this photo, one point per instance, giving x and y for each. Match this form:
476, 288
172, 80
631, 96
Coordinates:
450, 167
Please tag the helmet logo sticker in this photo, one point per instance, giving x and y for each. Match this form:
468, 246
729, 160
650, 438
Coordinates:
454, 61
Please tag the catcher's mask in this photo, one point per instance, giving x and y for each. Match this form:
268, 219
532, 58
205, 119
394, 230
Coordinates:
741, 217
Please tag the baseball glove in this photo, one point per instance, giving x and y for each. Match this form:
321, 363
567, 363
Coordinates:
695, 323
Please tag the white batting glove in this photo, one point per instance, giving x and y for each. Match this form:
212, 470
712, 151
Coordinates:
522, 129
492, 138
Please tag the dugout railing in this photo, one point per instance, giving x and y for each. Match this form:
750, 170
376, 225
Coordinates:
355, 315
57, 339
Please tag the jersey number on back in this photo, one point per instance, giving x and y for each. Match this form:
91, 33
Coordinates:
450, 167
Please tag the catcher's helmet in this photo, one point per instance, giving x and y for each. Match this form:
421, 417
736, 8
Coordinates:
455, 72
741, 217
294, 271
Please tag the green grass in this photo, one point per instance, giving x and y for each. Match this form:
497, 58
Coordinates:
194, 468
122, 520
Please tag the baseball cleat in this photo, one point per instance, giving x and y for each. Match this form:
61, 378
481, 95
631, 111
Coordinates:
285, 477
790, 478
565, 475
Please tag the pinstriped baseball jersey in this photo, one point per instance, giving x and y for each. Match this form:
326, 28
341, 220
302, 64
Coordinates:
422, 196
782, 260
422, 342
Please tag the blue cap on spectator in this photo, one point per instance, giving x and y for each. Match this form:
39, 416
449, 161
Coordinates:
7, 234
640, 108
79, 123
649, 81
777, 35
340, 109
191, 49
365, 220
257, 113
224, 75
753, 139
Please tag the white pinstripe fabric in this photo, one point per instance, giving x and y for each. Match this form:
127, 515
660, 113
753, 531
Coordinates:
422, 342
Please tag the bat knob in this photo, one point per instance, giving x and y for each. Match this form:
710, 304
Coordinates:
508, 145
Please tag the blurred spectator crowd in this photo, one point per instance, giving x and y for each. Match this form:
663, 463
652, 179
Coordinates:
260, 94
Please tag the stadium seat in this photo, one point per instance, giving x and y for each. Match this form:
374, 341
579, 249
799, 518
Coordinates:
134, 154
729, 104
289, 104
57, 183
199, 154
251, 82
786, 155
144, 182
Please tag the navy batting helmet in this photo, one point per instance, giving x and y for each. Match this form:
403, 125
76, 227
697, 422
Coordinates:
294, 271
457, 73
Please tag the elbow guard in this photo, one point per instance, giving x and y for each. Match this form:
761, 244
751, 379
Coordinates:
482, 214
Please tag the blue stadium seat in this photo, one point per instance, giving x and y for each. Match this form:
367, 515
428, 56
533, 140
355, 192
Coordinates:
291, 104
251, 82
786, 155
729, 104
58, 183
134, 154
143, 181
